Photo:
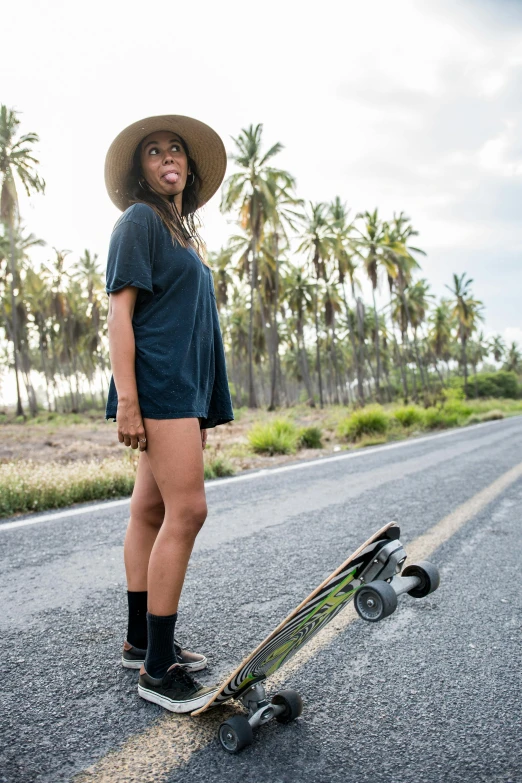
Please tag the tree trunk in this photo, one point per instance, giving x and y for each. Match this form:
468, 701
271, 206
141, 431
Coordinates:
19, 407
274, 395
304, 364
356, 357
267, 333
416, 347
336, 366
399, 356
360, 332
317, 349
377, 350
465, 366
252, 400
31, 394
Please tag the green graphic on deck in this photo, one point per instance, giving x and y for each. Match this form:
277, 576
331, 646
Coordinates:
321, 613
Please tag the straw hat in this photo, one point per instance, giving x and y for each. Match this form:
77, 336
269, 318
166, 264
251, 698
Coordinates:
204, 144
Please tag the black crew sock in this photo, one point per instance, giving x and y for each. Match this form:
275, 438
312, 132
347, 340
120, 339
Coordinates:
137, 627
160, 650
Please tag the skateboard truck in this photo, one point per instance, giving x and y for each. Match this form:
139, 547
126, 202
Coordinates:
260, 710
237, 732
386, 563
380, 583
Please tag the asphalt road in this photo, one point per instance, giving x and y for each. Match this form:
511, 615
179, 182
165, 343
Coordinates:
430, 694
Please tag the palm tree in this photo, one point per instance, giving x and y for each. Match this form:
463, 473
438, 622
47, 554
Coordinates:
332, 306
58, 278
282, 217
221, 264
316, 243
401, 254
439, 337
37, 297
343, 255
478, 350
16, 163
252, 189
467, 312
23, 242
497, 347
416, 300
298, 296
374, 240
89, 275
238, 327
513, 359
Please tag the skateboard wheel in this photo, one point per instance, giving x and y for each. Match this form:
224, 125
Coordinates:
292, 703
429, 576
375, 601
235, 734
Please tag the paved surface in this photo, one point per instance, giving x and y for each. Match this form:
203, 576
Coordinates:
430, 694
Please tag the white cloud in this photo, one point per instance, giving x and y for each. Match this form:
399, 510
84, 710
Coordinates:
512, 334
503, 154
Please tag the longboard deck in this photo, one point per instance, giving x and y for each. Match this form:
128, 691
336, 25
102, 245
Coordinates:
302, 623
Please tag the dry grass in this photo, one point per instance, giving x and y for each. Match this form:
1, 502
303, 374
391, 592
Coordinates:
67, 459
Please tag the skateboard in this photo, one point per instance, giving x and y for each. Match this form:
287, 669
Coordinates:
372, 577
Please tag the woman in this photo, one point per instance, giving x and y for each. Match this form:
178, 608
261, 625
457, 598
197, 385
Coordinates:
169, 382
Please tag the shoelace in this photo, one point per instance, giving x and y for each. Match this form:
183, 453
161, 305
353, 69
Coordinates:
181, 675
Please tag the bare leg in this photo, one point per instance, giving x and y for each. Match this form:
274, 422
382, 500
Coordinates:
147, 511
175, 458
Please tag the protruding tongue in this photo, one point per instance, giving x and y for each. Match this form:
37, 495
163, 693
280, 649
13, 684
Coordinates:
172, 177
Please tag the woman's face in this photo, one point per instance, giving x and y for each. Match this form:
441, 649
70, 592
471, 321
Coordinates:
165, 164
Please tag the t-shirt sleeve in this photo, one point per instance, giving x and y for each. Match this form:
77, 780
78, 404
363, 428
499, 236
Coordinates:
129, 260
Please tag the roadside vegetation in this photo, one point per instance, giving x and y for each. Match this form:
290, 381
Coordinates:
253, 440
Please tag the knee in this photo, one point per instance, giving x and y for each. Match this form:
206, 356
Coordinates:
189, 515
195, 514
151, 514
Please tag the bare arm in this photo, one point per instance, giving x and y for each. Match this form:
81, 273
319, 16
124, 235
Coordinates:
122, 350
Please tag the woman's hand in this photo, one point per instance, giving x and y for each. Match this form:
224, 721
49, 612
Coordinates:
131, 429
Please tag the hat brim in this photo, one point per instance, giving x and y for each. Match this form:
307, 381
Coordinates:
205, 147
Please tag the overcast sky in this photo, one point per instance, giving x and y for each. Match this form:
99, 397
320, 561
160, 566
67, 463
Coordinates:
410, 105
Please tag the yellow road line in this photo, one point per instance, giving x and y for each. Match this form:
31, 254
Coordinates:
170, 741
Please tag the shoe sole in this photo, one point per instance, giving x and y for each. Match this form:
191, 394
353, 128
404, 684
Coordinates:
187, 705
196, 666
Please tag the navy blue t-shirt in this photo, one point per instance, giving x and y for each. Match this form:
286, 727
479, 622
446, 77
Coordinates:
180, 360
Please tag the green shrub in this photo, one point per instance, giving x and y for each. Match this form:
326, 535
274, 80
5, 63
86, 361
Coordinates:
502, 384
461, 408
368, 421
276, 437
455, 390
310, 438
475, 418
218, 467
409, 416
440, 418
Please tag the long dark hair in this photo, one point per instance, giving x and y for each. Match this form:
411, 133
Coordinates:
182, 227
